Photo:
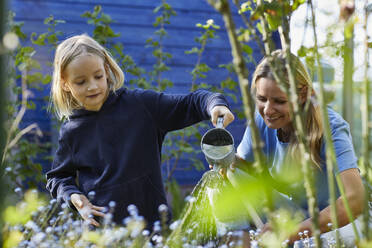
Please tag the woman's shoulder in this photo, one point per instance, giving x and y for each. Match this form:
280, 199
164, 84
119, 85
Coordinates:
336, 121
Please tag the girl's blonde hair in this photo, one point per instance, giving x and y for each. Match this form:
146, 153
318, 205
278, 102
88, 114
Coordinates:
64, 103
313, 124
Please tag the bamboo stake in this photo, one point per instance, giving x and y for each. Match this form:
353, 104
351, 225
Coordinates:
365, 126
330, 155
2, 115
347, 89
222, 6
299, 124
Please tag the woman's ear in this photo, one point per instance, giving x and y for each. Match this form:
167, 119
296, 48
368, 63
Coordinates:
302, 95
64, 85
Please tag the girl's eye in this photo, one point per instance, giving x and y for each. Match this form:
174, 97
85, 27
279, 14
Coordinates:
80, 83
261, 99
281, 102
99, 77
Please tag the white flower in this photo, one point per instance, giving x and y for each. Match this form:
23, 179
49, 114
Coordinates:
38, 238
174, 225
244, 5
210, 22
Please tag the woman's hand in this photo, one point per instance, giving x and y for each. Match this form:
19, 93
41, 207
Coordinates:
221, 111
86, 208
223, 171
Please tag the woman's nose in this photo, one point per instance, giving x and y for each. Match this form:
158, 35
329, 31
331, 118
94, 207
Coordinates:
268, 108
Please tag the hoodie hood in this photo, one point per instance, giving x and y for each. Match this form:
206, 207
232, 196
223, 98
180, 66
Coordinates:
111, 99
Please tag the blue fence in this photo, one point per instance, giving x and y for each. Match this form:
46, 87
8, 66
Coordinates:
133, 20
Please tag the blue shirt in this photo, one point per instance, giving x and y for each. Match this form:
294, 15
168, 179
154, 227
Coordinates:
276, 151
116, 151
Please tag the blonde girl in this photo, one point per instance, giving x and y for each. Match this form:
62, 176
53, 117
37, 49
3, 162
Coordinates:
110, 142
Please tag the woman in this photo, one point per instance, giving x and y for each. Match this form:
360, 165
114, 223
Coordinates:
281, 144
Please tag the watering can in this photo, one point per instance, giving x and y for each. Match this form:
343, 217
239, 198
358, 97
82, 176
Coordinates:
217, 145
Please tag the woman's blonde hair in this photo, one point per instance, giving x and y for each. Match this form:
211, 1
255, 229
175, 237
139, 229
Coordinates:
64, 103
313, 124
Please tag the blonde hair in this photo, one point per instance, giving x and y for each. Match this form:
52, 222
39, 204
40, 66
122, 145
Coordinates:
313, 124
64, 103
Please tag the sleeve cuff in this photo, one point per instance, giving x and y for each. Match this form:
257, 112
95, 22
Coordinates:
216, 100
67, 197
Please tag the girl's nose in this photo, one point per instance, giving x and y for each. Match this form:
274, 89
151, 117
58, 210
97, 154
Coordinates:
92, 86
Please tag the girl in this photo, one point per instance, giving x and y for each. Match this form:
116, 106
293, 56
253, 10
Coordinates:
110, 143
281, 144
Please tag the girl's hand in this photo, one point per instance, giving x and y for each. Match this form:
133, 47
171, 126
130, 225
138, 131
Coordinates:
223, 111
86, 208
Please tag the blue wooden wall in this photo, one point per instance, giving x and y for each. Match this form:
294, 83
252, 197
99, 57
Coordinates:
133, 19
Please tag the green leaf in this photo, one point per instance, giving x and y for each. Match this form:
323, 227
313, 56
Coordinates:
47, 79
48, 19
370, 44
40, 40
105, 18
296, 4
247, 49
302, 51
259, 27
349, 27
257, 13
193, 50
273, 21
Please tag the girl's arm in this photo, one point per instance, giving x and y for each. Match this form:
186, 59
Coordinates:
61, 179
171, 112
354, 192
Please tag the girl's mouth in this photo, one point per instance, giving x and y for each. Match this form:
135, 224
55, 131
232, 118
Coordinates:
93, 96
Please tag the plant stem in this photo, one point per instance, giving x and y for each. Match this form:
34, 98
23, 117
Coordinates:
330, 154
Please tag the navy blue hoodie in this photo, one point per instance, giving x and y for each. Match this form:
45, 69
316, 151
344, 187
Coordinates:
116, 151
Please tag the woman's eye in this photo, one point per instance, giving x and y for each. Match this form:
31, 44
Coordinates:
281, 102
80, 83
99, 77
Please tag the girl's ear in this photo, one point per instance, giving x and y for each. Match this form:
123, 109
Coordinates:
64, 85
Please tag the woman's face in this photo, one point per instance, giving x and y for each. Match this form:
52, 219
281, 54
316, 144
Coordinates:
85, 78
272, 104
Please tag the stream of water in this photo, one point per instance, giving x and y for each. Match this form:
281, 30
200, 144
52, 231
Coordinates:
197, 224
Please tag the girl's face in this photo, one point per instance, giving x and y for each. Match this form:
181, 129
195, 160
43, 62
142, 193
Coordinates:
85, 78
272, 104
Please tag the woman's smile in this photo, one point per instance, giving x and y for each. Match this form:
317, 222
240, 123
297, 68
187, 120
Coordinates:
272, 104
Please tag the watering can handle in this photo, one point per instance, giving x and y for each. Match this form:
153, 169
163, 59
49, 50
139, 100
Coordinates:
219, 122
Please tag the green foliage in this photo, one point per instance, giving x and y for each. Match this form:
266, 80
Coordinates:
22, 170
101, 22
48, 38
177, 202
21, 213
103, 33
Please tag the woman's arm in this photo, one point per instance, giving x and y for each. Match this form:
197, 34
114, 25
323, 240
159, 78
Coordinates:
354, 193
